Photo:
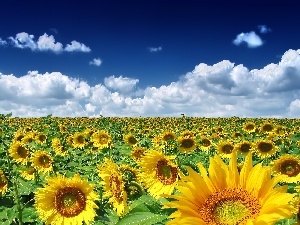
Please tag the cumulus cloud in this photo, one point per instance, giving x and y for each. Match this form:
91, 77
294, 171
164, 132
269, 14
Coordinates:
45, 43
121, 84
263, 29
2, 42
219, 90
76, 46
96, 62
251, 39
155, 49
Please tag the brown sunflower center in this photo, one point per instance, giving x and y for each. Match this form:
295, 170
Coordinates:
3, 181
168, 137
267, 127
42, 137
45, 161
290, 168
187, 143
115, 187
22, 152
70, 201
245, 147
132, 140
206, 142
249, 127
166, 173
265, 146
80, 139
138, 153
229, 207
103, 139
227, 148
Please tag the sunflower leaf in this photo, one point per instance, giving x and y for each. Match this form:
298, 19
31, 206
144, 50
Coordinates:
145, 218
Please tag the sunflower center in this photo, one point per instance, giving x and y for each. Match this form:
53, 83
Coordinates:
265, 147
249, 127
42, 137
132, 140
167, 174
168, 137
187, 143
290, 168
227, 149
206, 142
229, 207
22, 152
80, 139
44, 161
115, 187
267, 127
245, 147
3, 181
103, 139
70, 201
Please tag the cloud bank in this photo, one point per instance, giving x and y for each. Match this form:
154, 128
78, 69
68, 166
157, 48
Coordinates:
219, 90
45, 42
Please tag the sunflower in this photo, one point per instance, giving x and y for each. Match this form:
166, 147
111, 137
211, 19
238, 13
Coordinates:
205, 143
158, 173
249, 127
28, 173
19, 152
3, 183
130, 139
288, 166
68, 201
244, 147
168, 136
187, 144
114, 186
58, 148
265, 148
40, 138
225, 148
267, 127
78, 140
137, 153
226, 196
101, 139
42, 161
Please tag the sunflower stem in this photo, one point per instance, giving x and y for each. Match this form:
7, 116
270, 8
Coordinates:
138, 186
17, 200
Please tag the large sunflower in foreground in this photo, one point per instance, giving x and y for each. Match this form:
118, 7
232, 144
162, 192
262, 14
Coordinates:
114, 186
288, 166
158, 173
227, 197
67, 201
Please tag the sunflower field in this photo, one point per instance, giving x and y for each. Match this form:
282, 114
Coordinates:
149, 170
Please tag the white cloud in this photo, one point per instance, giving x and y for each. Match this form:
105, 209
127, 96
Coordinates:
155, 49
219, 90
2, 42
263, 29
45, 43
121, 84
251, 39
96, 62
76, 46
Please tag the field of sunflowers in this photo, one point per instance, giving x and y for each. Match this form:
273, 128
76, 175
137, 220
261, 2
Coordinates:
149, 170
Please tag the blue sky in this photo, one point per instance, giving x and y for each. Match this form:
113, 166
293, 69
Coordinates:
149, 58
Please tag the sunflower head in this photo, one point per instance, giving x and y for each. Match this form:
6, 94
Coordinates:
41, 138
137, 153
288, 166
101, 139
130, 139
79, 140
66, 201
19, 152
267, 127
168, 136
265, 148
42, 161
187, 144
244, 147
225, 148
249, 127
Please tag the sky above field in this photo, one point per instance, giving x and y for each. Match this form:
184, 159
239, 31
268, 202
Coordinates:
149, 58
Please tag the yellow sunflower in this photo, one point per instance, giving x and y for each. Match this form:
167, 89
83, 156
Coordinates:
42, 161
79, 140
58, 147
130, 139
3, 183
205, 143
158, 173
187, 144
265, 148
101, 139
68, 201
19, 152
137, 153
168, 136
40, 138
267, 127
113, 185
244, 147
288, 166
249, 127
226, 196
28, 173
225, 148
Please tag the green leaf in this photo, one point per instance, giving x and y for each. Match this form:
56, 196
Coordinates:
29, 215
145, 218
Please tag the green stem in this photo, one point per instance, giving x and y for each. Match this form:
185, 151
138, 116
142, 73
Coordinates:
17, 199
